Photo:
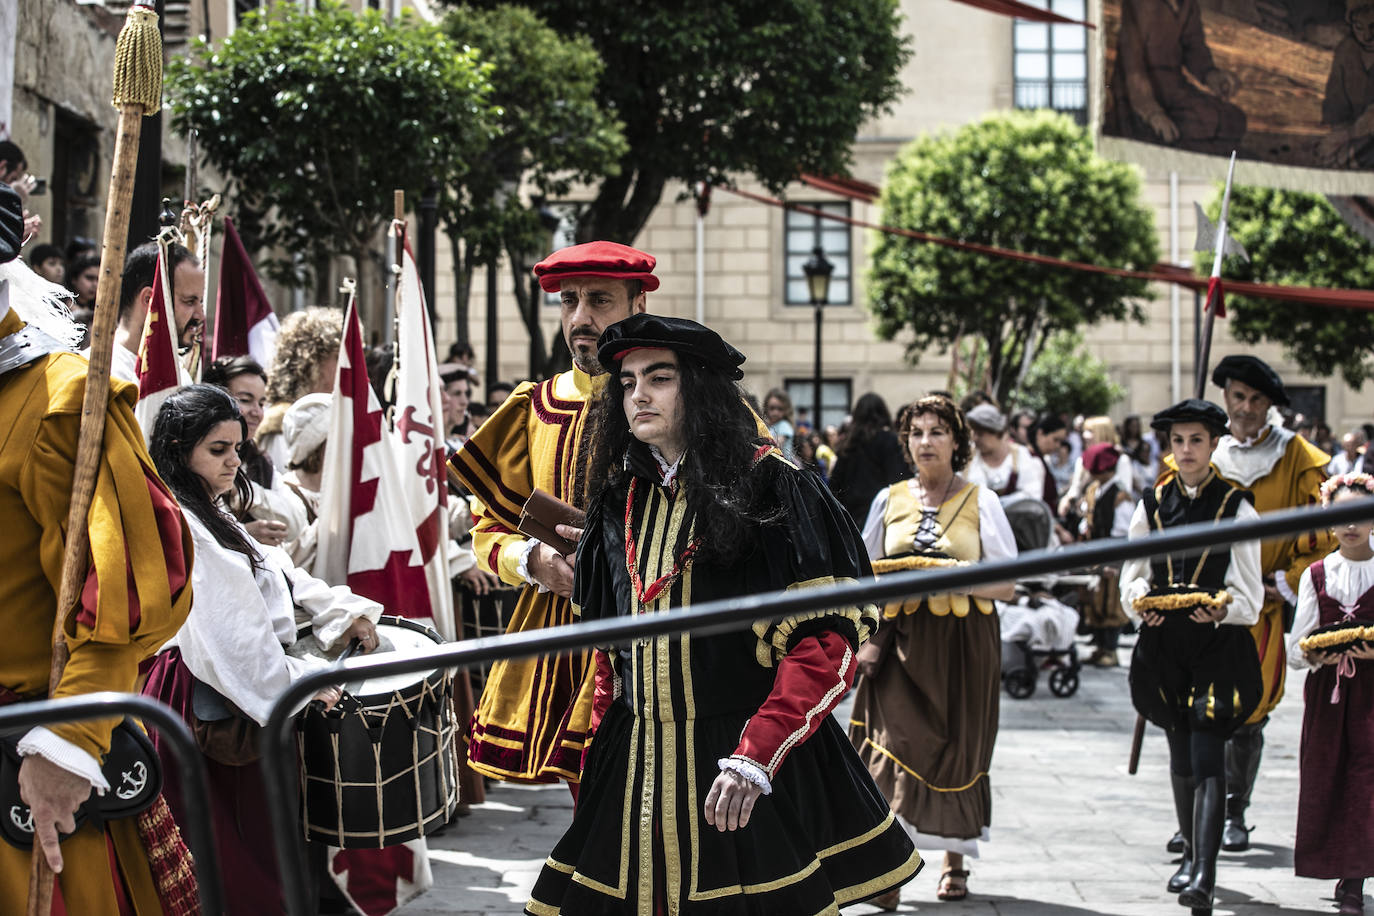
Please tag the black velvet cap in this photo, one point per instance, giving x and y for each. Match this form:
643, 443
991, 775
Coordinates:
1193, 410
659, 332
1254, 372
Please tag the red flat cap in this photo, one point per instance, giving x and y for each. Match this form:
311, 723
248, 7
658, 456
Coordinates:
596, 259
1100, 457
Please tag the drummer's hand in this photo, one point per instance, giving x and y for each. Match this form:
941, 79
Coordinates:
329, 696
551, 570
568, 531
1151, 618
1208, 615
1366, 652
478, 581
363, 630
53, 795
271, 533
730, 801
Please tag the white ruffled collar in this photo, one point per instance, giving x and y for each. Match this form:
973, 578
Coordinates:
1347, 580
1246, 462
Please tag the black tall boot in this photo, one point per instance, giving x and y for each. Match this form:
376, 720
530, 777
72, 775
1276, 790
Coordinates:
1243, 752
1209, 802
1183, 807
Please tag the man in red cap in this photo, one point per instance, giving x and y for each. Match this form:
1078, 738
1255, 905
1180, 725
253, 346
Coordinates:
531, 723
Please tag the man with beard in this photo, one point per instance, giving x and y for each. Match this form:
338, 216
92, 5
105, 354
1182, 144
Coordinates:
531, 723
1282, 470
136, 292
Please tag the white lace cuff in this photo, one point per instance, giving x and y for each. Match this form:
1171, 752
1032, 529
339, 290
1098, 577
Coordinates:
522, 563
1281, 583
749, 771
68, 756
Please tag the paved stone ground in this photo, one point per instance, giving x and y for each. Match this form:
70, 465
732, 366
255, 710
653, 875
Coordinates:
1072, 833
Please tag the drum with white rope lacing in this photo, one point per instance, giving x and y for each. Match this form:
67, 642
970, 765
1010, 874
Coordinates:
380, 767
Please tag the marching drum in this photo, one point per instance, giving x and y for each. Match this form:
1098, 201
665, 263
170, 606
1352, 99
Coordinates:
380, 767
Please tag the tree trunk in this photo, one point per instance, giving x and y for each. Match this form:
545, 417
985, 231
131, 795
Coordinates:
462, 286
371, 309
528, 299
616, 217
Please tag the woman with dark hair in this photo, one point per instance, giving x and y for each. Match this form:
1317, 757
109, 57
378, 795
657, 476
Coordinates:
716, 762
227, 664
869, 459
925, 710
270, 515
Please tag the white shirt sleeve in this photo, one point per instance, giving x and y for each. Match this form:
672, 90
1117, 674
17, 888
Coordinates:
229, 640
993, 528
1030, 473
1243, 579
55, 749
278, 505
875, 530
1135, 574
522, 564
1304, 621
1121, 519
331, 609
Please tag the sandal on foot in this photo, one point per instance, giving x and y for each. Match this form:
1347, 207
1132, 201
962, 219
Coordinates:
889, 901
953, 884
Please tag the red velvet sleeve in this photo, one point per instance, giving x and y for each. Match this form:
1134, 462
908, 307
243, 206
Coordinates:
811, 680
605, 689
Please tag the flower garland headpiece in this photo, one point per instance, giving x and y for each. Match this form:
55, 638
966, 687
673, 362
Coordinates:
1346, 482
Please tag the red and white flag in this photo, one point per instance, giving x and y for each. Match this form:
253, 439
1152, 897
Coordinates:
418, 438
245, 324
159, 371
367, 538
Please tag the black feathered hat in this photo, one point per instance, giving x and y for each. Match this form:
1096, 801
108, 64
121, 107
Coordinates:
659, 332
1254, 372
1193, 410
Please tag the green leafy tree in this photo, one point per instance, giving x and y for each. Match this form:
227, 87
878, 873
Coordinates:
1065, 378
1299, 239
707, 91
317, 116
1027, 181
550, 132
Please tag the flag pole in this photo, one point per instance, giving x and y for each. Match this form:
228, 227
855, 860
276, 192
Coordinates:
137, 94
1214, 292
1204, 354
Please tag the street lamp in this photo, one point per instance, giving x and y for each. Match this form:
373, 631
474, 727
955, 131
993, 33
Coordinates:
818, 271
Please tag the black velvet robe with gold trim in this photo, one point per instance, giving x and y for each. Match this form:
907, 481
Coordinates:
639, 842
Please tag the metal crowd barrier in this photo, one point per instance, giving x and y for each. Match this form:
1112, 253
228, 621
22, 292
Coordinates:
171, 728
279, 759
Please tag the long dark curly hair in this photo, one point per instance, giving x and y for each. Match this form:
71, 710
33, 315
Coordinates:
184, 420
721, 436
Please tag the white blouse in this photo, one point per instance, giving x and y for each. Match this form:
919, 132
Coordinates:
1243, 580
1346, 581
242, 620
993, 528
1030, 472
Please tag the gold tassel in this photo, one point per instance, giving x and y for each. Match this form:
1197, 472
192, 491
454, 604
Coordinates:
138, 61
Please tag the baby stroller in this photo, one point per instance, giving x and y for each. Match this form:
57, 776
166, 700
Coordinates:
1038, 633
1037, 629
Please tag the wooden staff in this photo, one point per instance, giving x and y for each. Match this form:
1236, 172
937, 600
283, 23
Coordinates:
137, 94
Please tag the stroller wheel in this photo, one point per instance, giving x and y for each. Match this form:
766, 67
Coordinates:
1020, 682
1063, 682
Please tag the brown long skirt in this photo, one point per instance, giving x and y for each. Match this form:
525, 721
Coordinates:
926, 723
